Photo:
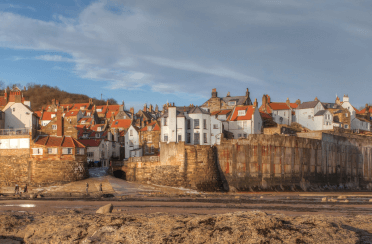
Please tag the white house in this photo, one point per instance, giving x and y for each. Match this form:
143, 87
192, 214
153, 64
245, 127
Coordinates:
244, 120
132, 139
308, 115
282, 113
193, 125
356, 123
19, 116
46, 117
94, 149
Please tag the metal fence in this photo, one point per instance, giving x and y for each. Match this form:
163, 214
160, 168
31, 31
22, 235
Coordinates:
13, 132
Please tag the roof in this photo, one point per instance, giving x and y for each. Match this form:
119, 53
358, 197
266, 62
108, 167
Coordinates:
293, 105
121, 123
9, 104
54, 141
71, 113
332, 106
48, 115
110, 113
279, 106
88, 119
91, 142
95, 127
77, 106
221, 112
364, 110
239, 99
320, 113
154, 127
248, 114
265, 115
306, 105
198, 110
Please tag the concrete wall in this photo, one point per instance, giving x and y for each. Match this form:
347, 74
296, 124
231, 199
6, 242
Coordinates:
179, 165
272, 161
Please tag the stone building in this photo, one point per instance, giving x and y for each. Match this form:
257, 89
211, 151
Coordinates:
357, 121
216, 103
341, 116
13, 95
60, 126
150, 138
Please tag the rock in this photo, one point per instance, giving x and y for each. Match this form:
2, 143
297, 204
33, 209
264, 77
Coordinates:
345, 201
261, 196
232, 189
332, 200
105, 209
370, 200
324, 199
9, 241
39, 196
237, 197
32, 196
342, 197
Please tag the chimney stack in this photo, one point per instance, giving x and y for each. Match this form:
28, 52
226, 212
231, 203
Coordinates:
228, 94
145, 107
156, 108
288, 103
150, 108
59, 123
214, 92
107, 102
247, 93
264, 102
255, 104
90, 101
298, 102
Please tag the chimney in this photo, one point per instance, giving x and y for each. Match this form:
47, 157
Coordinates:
337, 100
156, 108
68, 108
255, 104
90, 101
145, 107
53, 101
107, 102
316, 99
288, 103
345, 98
247, 93
228, 94
268, 99
93, 121
59, 123
24, 88
57, 102
298, 102
214, 92
132, 111
150, 108
18, 97
264, 102
143, 123
94, 108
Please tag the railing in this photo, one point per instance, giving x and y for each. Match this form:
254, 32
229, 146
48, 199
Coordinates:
12, 132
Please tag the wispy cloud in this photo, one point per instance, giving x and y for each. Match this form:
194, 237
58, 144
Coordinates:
54, 58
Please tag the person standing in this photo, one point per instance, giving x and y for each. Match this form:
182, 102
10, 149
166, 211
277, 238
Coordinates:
16, 189
25, 190
87, 188
100, 187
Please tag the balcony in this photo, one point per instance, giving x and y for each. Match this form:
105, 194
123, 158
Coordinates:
15, 132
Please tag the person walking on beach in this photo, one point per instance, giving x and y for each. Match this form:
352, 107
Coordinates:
100, 187
16, 189
87, 188
25, 190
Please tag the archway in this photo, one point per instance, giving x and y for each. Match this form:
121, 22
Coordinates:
120, 174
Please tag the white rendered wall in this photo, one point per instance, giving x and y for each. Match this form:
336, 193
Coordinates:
134, 138
19, 118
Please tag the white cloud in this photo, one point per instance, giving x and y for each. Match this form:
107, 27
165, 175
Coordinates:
54, 58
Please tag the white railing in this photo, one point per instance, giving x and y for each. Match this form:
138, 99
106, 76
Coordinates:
11, 132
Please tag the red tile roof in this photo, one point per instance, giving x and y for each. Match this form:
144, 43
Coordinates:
38, 113
265, 115
95, 127
48, 115
248, 114
364, 110
71, 113
110, 113
53, 141
121, 123
90, 142
279, 106
85, 119
154, 125
77, 106
293, 105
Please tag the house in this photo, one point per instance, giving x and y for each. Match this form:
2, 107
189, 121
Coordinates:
281, 113
18, 115
60, 125
244, 120
45, 117
132, 143
11, 95
94, 149
313, 116
357, 120
121, 124
150, 138
189, 124
341, 116
216, 103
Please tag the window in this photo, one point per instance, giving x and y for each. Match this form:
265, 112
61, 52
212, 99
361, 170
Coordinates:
188, 124
141, 137
205, 138
165, 121
99, 128
196, 138
99, 110
346, 115
215, 126
149, 138
179, 137
152, 148
166, 137
80, 151
131, 132
37, 151
204, 123
52, 150
239, 135
97, 135
241, 112
83, 122
90, 154
245, 135
325, 116
284, 114
346, 126
88, 114
66, 150
188, 138
53, 115
13, 109
196, 123
232, 103
54, 127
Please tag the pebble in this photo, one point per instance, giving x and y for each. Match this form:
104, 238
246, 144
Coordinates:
324, 199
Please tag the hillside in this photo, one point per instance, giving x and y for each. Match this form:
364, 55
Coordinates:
41, 95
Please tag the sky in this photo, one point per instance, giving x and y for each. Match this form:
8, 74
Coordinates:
176, 51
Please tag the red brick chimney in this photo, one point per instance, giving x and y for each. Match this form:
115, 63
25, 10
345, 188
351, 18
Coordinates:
255, 104
214, 92
288, 103
145, 107
59, 123
131, 110
107, 103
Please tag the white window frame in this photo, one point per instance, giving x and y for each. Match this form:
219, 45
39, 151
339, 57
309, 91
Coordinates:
67, 151
54, 127
37, 151
241, 113
52, 150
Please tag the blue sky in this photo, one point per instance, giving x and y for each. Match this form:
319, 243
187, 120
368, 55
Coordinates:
177, 51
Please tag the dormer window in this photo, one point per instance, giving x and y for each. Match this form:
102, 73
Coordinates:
117, 122
88, 114
53, 115
83, 122
82, 107
99, 110
99, 128
241, 112
232, 103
